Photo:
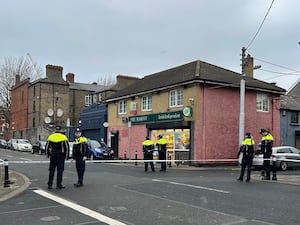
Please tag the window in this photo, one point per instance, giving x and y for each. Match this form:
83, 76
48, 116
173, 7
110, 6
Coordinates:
33, 106
88, 100
294, 117
176, 98
262, 102
146, 103
122, 107
94, 98
33, 122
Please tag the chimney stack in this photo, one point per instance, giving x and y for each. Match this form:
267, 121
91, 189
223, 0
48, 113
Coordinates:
54, 73
70, 77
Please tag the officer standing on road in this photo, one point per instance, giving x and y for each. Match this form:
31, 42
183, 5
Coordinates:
162, 149
57, 148
148, 147
79, 154
266, 147
247, 148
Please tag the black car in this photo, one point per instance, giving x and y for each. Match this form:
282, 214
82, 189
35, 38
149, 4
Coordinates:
3, 144
39, 147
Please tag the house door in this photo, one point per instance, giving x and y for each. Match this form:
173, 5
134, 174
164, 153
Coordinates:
114, 142
297, 139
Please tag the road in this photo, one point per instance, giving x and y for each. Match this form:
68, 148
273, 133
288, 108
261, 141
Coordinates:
122, 193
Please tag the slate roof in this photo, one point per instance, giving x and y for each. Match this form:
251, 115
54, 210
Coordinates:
88, 87
290, 102
295, 89
193, 72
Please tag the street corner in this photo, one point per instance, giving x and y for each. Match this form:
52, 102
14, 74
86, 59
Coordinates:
17, 184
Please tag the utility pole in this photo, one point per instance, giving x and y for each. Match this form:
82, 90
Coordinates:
242, 99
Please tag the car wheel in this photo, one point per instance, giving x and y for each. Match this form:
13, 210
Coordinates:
283, 166
92, 157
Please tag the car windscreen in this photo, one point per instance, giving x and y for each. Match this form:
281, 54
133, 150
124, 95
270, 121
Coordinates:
94, 144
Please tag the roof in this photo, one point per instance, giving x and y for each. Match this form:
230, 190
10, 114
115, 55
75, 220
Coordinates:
290, 102
193, 72
88, 87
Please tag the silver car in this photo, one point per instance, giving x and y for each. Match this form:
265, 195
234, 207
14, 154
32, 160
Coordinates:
286, 157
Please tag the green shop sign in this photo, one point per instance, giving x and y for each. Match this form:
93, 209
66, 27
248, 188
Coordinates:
159, 117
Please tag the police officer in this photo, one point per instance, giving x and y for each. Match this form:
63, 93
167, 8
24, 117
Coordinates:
57, 148
247, 148
266, 147
162, 148
148, 147
79, 154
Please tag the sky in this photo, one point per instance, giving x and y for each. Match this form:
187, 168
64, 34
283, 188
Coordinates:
99, 38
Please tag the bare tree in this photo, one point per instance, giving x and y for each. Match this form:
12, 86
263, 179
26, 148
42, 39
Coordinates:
106, 80
24, 66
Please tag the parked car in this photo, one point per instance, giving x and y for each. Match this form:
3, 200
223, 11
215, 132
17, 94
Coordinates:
11, 143
3, 144
99, 150
22, 145
39, 147
283, 154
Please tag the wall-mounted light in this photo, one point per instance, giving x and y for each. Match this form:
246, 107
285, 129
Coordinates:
191, 100
283, 113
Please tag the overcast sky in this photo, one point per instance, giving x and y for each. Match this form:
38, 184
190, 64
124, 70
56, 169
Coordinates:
95, 38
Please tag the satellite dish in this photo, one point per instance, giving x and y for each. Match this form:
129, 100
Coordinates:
47, 119
60, 112
50, 112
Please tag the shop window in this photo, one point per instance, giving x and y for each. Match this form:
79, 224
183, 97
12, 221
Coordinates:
176, 98
122, 107
146, 103
262, 102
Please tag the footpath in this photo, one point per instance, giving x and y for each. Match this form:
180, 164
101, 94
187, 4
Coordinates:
19, 182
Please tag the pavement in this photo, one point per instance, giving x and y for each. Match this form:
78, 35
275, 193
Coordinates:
20, 183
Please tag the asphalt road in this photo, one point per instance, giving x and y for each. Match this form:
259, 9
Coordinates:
119, 193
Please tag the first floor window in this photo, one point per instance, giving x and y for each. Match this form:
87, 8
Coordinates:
88, 100
262, 102
147, 103
176, 98
122, 107
294, 117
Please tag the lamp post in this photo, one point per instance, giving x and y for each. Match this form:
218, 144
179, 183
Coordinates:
242, 100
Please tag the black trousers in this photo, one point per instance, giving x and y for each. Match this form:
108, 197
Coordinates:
80, 167
267, 165
246, 162
57, 161
162, 156
149, 156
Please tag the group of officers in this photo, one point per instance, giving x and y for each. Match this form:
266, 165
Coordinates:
248, 149
57, 149
148, 148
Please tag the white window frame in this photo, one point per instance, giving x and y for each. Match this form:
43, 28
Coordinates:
88, 100
262, 102
146, 103
176, 98
122, 107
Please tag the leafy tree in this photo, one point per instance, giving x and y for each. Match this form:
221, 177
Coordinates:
24, 66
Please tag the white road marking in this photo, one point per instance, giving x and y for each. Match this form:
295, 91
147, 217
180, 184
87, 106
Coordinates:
79, 208
193, 186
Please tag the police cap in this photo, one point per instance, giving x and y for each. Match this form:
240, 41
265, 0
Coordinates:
77, 130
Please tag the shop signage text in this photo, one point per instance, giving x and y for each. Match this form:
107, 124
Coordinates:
159, 117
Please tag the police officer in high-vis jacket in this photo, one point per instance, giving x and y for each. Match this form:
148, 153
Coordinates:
79, 154
57, 148
162, 149
247, 148
148, 147
266, 147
